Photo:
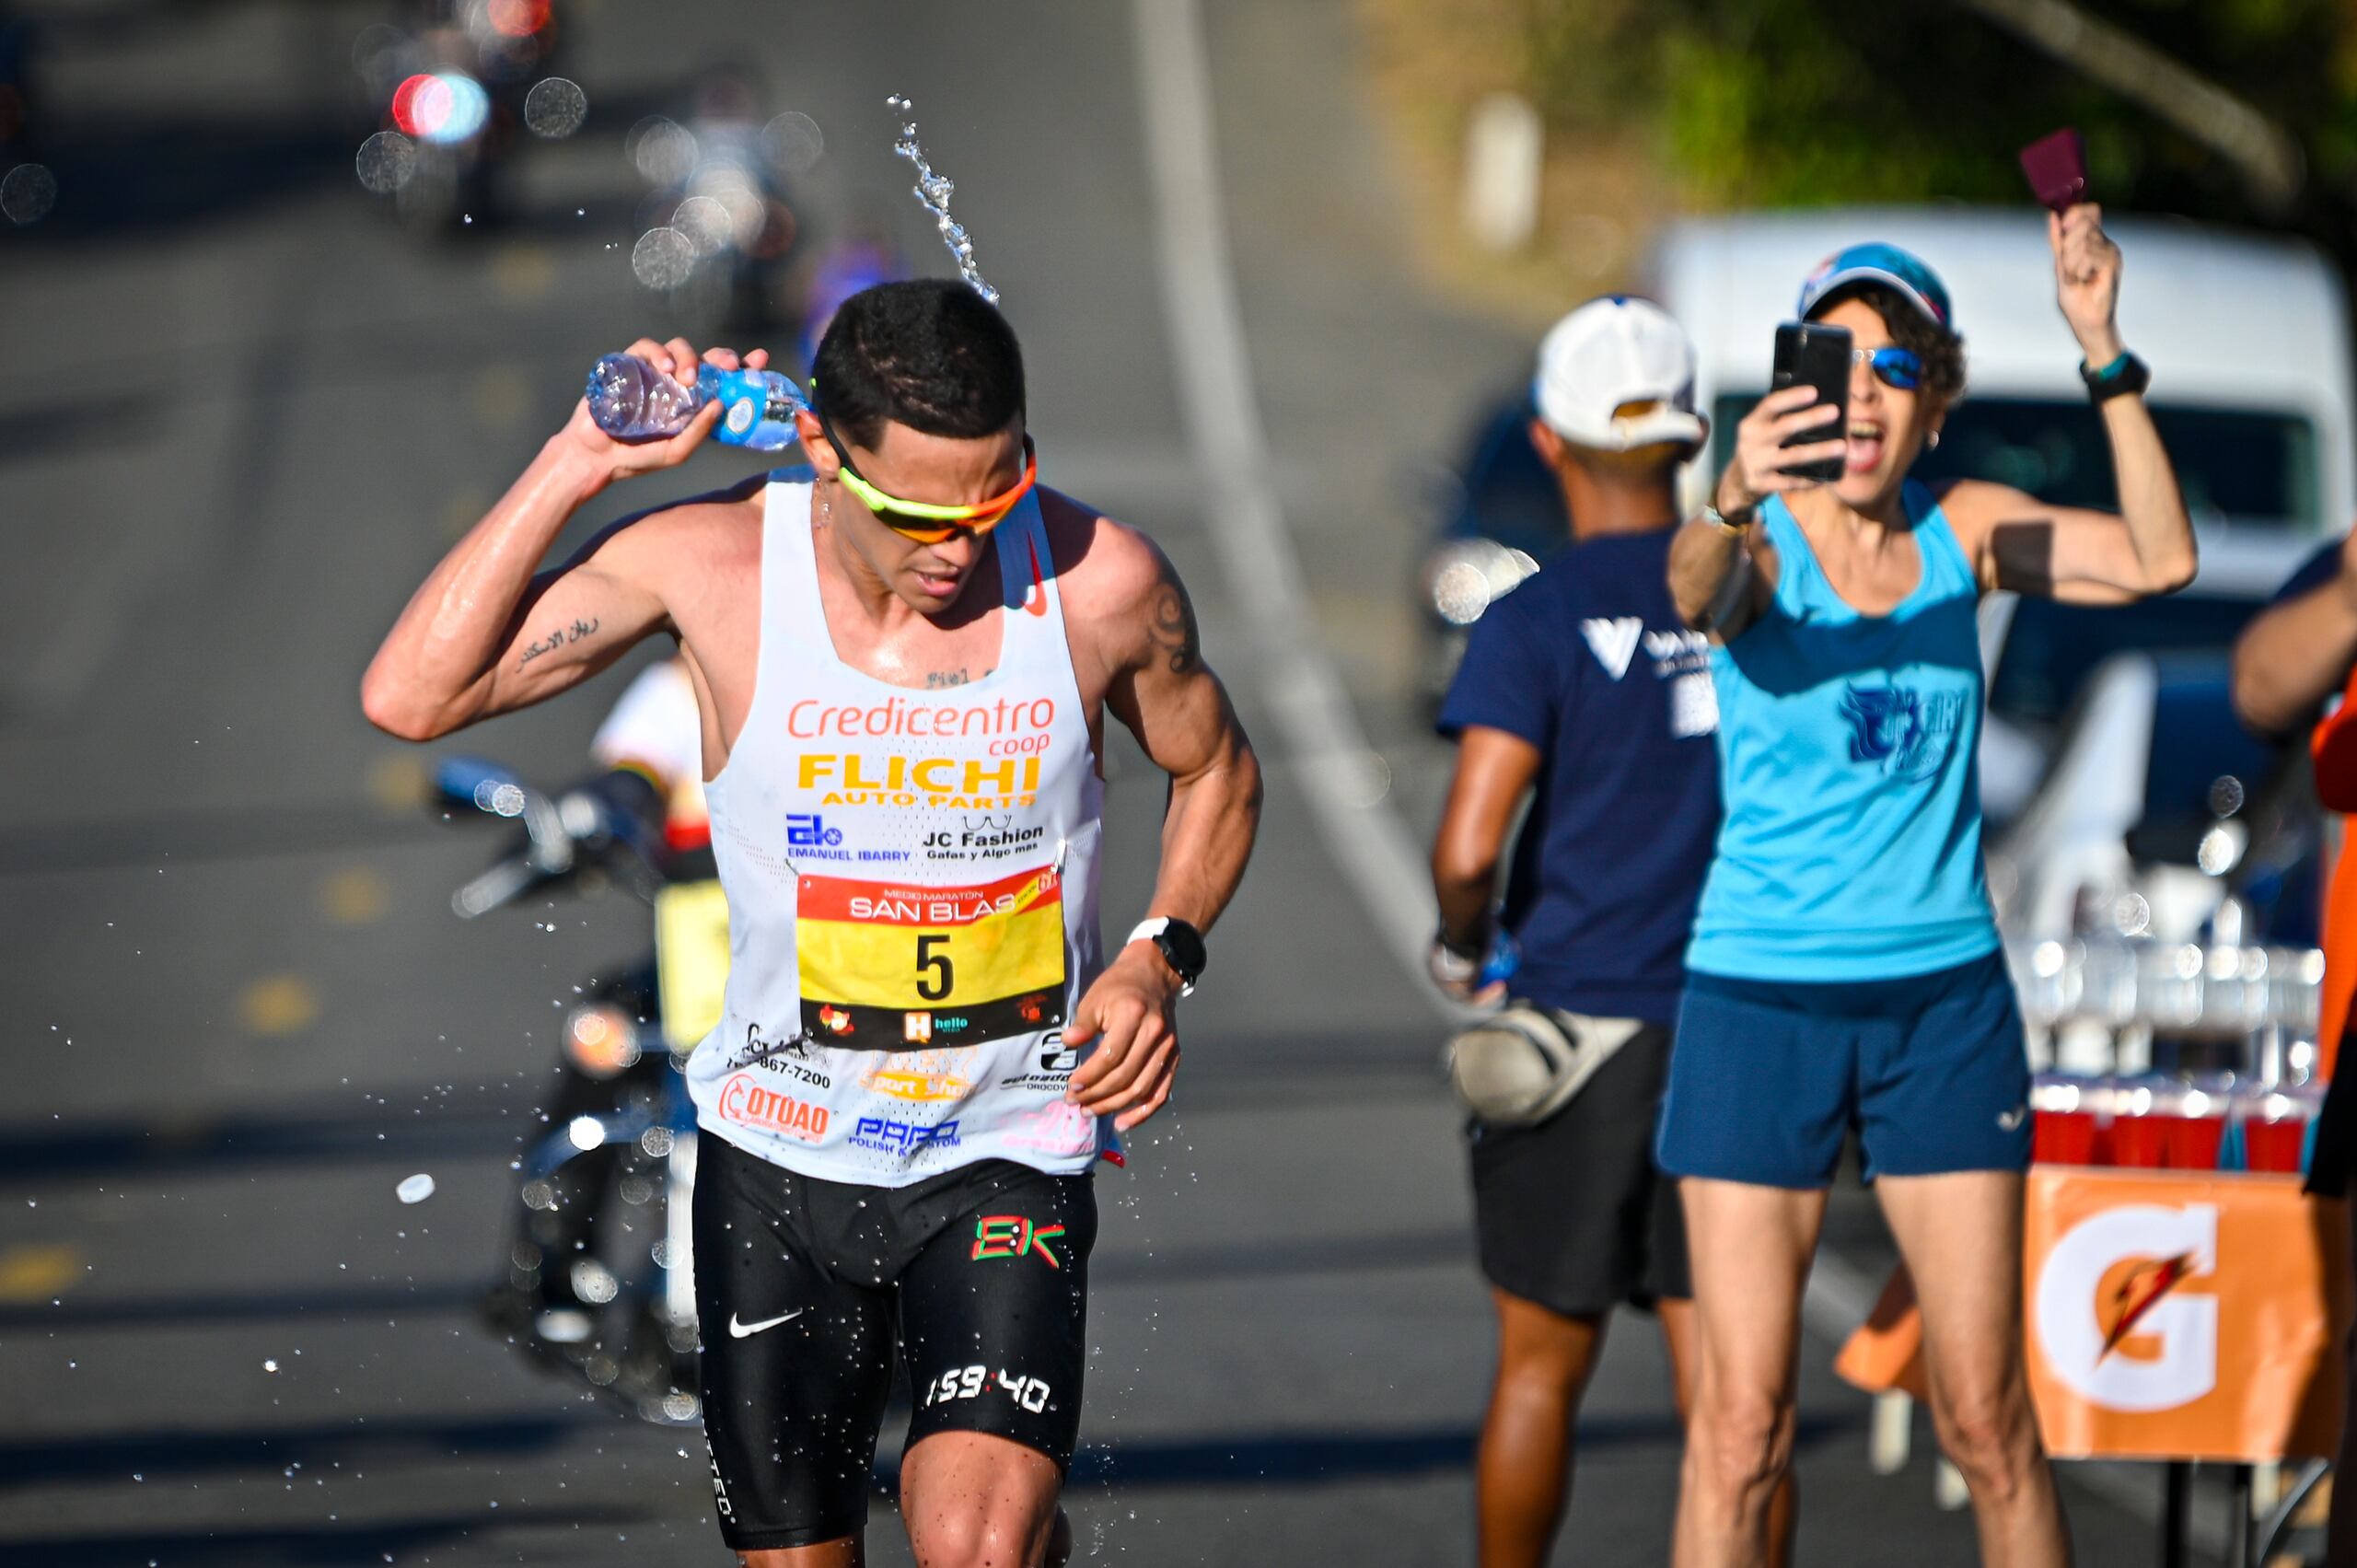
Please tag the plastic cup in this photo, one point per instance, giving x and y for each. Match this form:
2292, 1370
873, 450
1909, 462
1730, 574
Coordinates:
2063, 1137
2275, 1144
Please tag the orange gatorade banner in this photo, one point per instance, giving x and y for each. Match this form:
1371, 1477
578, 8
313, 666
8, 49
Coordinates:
2167, 1315
886, 965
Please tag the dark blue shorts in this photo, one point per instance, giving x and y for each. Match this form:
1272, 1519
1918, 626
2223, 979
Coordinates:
1769, 1076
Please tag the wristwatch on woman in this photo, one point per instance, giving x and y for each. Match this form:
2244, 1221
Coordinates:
1735, 525
2123, 376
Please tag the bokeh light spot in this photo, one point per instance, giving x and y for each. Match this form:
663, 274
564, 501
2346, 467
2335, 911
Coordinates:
517, 19
705, 222
444, 108
792, 142
386, 161
661, 150
663, 257
555, 106
27, 193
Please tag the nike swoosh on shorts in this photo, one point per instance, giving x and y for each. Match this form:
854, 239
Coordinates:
738, 1330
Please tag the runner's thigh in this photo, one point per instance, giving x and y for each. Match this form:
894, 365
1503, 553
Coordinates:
796, 1364
994, 1312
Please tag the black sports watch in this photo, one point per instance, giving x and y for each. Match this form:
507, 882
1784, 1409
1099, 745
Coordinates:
1180, 944
2123, 376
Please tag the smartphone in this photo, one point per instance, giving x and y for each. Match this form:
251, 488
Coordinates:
1813, 354
2057, 168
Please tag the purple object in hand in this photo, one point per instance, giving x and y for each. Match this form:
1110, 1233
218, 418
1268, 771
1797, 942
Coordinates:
2057, 168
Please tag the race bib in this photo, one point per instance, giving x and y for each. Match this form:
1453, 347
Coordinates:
886, 965
691, 959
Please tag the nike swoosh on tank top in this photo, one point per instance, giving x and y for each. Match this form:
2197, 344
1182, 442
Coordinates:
911, 883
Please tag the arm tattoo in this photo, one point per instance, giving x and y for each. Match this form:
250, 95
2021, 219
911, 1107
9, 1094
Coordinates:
556, 639
1172, 628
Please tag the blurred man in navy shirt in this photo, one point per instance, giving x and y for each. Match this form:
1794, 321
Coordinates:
1584, 691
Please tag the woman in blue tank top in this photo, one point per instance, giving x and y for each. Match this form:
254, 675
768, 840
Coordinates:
1845, 969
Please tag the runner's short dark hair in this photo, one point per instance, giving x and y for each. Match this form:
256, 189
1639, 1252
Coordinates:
929, 354
1941, 351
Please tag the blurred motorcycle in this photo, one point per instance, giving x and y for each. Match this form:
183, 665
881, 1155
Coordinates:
601, 1273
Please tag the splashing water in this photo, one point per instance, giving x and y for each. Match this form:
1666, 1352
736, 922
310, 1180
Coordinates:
933, 193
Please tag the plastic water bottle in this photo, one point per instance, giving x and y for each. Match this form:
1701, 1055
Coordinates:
632, 400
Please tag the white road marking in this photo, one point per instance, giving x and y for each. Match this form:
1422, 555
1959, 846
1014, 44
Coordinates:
1379, 856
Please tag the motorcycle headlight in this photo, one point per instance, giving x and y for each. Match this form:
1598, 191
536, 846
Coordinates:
600, 1040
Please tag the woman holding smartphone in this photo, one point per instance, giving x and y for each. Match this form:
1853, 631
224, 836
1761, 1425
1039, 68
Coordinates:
1845, 969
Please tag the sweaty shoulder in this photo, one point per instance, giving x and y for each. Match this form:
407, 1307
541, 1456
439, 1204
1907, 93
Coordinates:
1122, 599
685, 550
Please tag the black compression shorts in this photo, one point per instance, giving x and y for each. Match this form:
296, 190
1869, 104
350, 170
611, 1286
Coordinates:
801, 1287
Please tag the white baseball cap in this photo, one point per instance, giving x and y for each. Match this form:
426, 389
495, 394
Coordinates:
1607, 353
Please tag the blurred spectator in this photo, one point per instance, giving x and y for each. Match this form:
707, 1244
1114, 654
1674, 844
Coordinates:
1846, 969
1582, 692
2292, 657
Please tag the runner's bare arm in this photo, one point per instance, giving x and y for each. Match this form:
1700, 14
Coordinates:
1168, 697
487, 632
1139, 623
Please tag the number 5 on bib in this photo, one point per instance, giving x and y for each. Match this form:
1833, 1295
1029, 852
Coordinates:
887, 964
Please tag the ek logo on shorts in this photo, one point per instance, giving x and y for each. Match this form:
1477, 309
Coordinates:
1013, 1235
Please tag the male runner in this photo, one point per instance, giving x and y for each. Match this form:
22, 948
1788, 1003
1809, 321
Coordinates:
1583, 686
903, 660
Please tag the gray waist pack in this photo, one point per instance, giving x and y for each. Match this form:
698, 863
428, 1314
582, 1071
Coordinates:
1524, 1063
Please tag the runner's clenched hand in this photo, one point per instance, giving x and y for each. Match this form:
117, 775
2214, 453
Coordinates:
1128, 1013
626, 459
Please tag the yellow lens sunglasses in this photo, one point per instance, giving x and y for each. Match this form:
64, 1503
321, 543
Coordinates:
928, 522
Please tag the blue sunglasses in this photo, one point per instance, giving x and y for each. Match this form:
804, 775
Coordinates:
1894, 366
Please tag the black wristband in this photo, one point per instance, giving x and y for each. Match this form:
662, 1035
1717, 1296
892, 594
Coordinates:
2124, 377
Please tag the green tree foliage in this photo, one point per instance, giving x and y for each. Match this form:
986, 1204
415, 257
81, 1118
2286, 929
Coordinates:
1797, 102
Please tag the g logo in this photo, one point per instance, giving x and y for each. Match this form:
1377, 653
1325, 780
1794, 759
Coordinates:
2087, 1306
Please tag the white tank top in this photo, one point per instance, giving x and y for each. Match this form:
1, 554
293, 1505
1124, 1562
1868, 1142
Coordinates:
912, 882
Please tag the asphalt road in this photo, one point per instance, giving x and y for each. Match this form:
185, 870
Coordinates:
245, 415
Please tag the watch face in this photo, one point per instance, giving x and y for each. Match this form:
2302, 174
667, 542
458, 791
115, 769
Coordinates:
1183, 946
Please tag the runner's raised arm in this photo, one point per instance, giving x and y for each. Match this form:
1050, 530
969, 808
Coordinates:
487, 632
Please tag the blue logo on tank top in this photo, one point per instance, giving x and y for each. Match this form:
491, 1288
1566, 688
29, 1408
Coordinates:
1908, 735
